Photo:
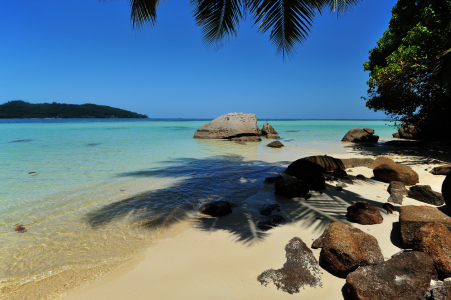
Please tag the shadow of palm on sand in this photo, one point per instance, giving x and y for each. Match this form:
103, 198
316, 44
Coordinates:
197, 181
192, 182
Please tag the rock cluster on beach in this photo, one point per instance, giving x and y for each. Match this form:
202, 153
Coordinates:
348, 252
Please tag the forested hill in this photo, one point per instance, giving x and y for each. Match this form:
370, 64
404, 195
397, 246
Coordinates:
20, 109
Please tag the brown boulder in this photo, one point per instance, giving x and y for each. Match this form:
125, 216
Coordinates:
356, 162
346, 248
275, 144
369, 130
380, 161
413, 217
396, 172
358, 135
435, 240
364, 213
406, 276
229, 126
409, 132
395, 198
301, 269
446, 189
441, 170
425, 194
272, 136
319, 162
266, 129
397, 187
395, 135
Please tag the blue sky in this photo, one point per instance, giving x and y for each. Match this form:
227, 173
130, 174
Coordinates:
85, 51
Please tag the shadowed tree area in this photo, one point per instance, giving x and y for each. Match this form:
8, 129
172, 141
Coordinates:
229, 178
409, 68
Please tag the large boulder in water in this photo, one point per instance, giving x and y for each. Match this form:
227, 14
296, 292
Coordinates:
409, 132
266, 129
229, 126
358, 135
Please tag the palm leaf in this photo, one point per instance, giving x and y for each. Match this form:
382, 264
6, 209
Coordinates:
288, 20
218, 19
144, 12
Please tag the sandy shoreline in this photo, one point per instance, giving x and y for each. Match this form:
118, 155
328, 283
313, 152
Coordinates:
208, 258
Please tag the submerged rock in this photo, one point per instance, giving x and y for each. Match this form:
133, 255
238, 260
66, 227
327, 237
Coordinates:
292, 189
217, 208
269, 209
275, 144
270, 221
301, 269
229, 126
272, 136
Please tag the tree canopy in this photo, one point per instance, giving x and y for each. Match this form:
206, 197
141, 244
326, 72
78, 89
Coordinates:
289, 21
20, 109
409, 68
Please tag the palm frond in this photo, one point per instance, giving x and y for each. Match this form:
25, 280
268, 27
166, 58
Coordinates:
218, 19
340, 6
144, 12
288, 20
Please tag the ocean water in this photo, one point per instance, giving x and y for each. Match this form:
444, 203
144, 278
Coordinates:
95, 193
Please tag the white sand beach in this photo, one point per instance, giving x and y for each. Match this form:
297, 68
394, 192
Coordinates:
220, 258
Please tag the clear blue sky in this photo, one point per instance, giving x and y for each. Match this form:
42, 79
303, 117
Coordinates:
85, 51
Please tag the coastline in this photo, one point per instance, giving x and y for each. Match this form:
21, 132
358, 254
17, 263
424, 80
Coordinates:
207, 258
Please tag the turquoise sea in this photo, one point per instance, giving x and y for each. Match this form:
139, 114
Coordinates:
94, 193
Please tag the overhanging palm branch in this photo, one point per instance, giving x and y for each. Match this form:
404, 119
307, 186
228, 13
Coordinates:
289, 21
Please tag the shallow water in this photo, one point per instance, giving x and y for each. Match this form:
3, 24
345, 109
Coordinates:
93, 194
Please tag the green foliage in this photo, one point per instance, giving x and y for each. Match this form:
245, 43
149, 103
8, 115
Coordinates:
289, 21
21, 109
404, 79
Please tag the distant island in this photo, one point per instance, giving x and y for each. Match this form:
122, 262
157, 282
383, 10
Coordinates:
19, 109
